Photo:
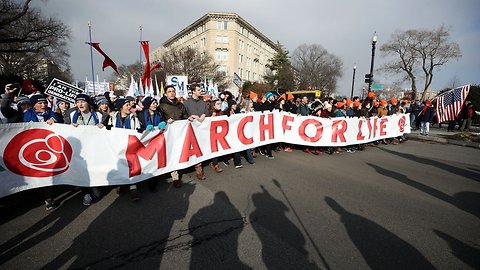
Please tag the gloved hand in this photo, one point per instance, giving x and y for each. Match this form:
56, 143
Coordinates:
149, 127
162, 125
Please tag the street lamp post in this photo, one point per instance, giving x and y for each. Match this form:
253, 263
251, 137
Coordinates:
353, 81
374, 42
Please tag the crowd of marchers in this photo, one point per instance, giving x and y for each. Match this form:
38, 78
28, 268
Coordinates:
149, 113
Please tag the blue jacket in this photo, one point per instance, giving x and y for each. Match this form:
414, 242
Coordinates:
32, 116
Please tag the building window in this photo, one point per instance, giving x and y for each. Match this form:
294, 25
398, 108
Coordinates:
203, 42
222, 25
225, 39
221, 54
240, 58
222, 69
219, 39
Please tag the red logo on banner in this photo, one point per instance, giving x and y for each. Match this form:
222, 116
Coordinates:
37, 153
401, 123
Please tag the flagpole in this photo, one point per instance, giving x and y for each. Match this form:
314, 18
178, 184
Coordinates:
91, 55
140, 42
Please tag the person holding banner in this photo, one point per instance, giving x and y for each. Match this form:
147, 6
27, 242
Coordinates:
197, 109
124, 118
61, 110
84, 115
103, 108
172, 110
150, 118
41, 113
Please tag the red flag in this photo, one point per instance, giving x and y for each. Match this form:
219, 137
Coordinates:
146, 71
157, 65
107, 62
28, 87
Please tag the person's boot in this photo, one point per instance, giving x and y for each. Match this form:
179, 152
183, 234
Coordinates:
200, 174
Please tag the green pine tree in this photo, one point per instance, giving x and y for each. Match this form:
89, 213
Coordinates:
280, 73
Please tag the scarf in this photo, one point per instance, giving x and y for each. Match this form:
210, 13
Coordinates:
126, 124
32, 116
148, 119
77, 114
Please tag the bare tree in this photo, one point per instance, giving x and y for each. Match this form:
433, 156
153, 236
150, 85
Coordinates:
30, 44
316, 68
417, 53
194, 64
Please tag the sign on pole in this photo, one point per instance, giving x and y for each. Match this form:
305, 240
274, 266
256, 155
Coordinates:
100, 87
237, 80
63, 90
377, 87
180, 83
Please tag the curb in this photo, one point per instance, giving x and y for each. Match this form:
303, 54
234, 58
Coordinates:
442, 140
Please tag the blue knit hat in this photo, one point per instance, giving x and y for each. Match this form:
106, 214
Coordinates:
34, 99
120, 102
83, 97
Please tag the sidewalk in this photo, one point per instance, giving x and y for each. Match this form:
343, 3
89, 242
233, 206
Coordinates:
441, 135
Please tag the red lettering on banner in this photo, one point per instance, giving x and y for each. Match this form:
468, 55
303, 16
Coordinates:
285, 120
375, 127
266, 127
339, 133
359, 134
369, 125
135, 149
383, 126
241, 130
318, 133
216, 138
190, 145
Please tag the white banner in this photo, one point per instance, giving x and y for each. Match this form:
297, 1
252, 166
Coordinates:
100, 87
36, 154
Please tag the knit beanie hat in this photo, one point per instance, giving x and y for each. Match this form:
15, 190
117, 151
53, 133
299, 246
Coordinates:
147, 101
101, 100
22, 100
34, 99
120, 102
83, 97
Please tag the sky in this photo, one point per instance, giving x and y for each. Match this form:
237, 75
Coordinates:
343, 27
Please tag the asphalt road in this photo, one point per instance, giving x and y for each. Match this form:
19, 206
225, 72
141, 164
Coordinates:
410, 206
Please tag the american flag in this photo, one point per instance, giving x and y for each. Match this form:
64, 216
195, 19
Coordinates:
449, 105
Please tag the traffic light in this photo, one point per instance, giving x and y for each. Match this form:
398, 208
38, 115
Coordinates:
368, 78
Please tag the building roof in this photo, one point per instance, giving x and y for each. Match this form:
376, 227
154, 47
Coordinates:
220, 15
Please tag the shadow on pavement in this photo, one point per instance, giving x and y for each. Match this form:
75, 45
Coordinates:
462, 251
443, 166
283, 244
222, 223
129, 234
380, 248
466, 201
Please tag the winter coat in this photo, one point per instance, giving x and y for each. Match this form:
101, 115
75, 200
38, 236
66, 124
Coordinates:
172, 109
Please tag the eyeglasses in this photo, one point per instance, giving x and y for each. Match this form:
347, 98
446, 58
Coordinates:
218, 103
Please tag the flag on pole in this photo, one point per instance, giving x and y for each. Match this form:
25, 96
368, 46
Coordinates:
158, 89
107, 62
146, 71
132, 88
140, 89
150, 92
449, 105
157, 65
